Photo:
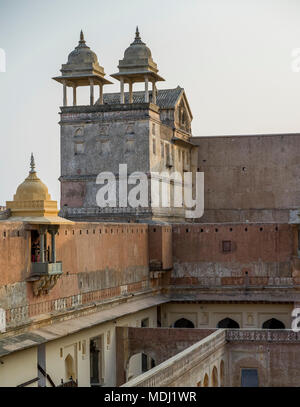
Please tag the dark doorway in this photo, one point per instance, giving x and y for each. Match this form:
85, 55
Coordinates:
273, 323
227, 323
35, 246
183, 323
96, 361
249, 378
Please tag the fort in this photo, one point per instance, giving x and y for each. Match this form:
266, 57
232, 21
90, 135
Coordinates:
123, 296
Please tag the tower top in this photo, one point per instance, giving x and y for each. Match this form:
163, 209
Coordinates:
32, 164
81, 40
82, 67
32, 202
137, 63
137, 39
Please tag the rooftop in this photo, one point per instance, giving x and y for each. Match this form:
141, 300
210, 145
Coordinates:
166, 98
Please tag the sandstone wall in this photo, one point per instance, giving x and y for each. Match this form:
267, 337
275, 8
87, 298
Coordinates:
252, 178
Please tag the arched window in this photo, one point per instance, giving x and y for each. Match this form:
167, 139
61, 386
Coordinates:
222, 373
214, 377
69, 368
183, 323
205, 381
139, 363
273, 323
227, 323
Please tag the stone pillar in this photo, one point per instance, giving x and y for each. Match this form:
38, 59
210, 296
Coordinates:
130, 92
154, 92
91, 92
122, 96
74, 96
65, 101
101, 94
42, 246
53, 247
45, 247
146, 89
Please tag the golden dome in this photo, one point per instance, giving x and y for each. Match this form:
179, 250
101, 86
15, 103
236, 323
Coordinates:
32, 189
32, 197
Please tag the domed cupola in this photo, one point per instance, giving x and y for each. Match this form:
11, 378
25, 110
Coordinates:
137, 66
82, 54
82, 69
32, 189
32, 201
137, 55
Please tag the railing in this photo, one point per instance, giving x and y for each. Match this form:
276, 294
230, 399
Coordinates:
18, 315
235, 281
46, 268
262, 335
36, 379
179, 364
69, 383
46, 375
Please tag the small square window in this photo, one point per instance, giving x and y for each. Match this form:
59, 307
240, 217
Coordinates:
226, 246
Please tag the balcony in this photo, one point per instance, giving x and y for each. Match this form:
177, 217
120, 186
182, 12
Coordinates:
46, 269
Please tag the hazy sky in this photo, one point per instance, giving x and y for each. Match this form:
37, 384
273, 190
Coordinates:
233, 57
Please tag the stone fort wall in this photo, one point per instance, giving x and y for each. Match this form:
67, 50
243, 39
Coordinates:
250, 178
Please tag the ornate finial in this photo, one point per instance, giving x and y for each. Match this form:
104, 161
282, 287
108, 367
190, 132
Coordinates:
32, 164
81, 41
137, 39
137, 33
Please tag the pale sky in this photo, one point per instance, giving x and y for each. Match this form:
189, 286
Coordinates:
233, 58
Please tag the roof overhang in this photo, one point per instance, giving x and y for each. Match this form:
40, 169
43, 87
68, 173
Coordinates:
82, 80
134, 76
36, 220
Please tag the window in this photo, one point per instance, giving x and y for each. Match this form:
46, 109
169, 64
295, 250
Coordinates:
79, 148
145, 323
273, 323
226, 246
153, 129
144, 363
154, 145
249, 378
183, 323
228, 323
162, 149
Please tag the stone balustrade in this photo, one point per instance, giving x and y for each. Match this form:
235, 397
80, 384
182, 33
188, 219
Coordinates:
20, 315
176, 366
262, 335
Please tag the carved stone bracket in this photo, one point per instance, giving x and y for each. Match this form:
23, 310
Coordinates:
43, 284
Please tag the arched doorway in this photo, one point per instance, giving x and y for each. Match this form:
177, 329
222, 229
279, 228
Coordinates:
206, 380
183, 323
70, 368
222, 373
273, 323
227, 323
214, 377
